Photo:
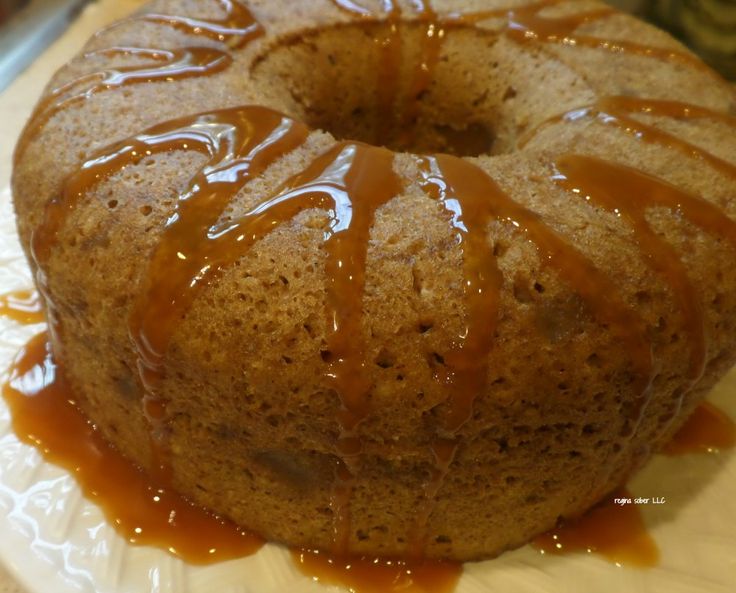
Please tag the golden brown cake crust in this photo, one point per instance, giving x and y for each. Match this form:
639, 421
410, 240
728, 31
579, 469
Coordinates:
252, 417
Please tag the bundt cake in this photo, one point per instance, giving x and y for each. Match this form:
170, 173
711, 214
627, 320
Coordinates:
385, 276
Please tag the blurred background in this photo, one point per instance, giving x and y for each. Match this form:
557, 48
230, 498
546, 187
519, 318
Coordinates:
708, 26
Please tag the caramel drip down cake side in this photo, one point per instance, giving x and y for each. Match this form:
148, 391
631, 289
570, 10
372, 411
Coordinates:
318, 319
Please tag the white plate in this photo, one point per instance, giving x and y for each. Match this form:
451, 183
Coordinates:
54, 540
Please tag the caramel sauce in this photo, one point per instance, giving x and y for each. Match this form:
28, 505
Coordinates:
665, 108
526, 24
378, 575
46, 416
353, 8
572, 266
351, 181
199, 131
390, 115
241, 143
423, 71
389, 62
629, 193
389, 71
172, 65
354, 180
707, 430
615, 110
464, 195
615, 531
473, 199
464, 372
612, 111
235, 29
23, 306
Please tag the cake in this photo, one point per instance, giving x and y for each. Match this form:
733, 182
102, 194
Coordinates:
379, 277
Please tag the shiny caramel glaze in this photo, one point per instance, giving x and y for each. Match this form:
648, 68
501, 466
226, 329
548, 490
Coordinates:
391, 115
240, 143
616, 111
466, 360
707, 430
424, 69
387, 82
629, 194
235, 29
473, 199
526, 24
378, 575
572, 266
167, 66
615, 531
23, 306
523, 24
352, 180
141, 511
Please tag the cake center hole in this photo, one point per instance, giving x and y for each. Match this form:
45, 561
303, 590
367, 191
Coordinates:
388, 86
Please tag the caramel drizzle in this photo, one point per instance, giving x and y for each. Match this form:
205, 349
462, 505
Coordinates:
424, 70
46, 416
389, 61
241, 143
356, 8
466, 362
615, 531
474, 199
707, 430
365, 574
23, 306
351, 181
237, 28
525, 24
389, 66
387, 86
613, 111
471, 211
174, 65
629, 194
